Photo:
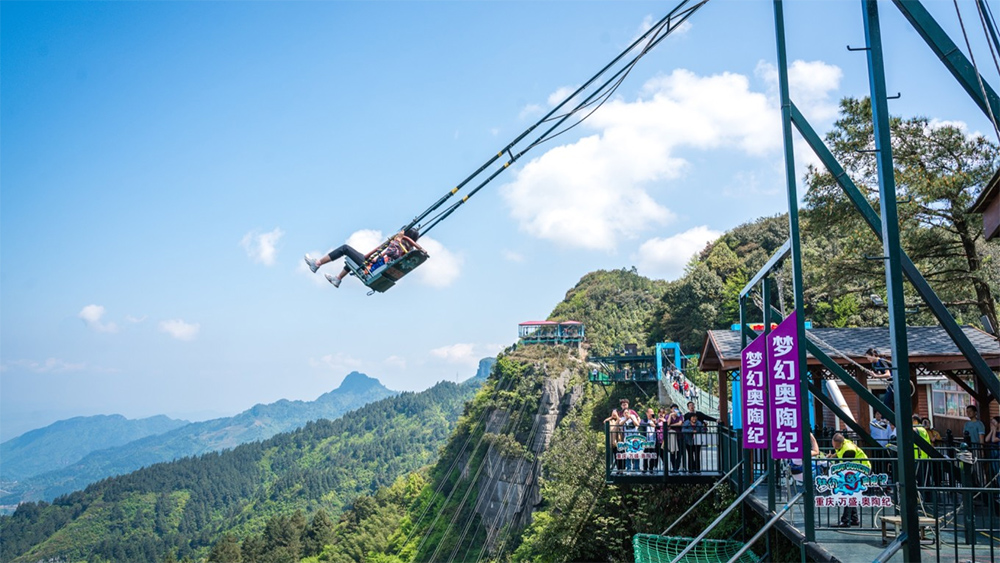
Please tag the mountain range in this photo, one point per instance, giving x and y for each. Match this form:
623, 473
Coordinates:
67, 441
189, 439
176, 510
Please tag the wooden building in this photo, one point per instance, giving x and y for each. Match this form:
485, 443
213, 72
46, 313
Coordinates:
988, 204
940, 375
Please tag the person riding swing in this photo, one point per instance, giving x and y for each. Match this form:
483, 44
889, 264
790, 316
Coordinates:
382, 255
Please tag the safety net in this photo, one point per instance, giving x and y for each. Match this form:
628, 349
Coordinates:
649, 548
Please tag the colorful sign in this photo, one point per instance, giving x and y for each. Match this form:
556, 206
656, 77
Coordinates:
846, 485
754, 394
634, 447
782, 357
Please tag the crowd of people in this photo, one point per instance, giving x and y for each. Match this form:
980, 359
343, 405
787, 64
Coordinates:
673, 441
684, 386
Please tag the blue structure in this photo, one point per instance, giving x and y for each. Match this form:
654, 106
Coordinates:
551, 332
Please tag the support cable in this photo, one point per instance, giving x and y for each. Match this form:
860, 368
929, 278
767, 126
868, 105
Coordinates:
654, 38
774, 520
465, 497
979, 76
694, 543
655, 29
520, 495
416, 524
990, 30
703, 497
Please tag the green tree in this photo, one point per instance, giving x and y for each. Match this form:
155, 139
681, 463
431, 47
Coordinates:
226, 550
691, 306
318, 534
939, 171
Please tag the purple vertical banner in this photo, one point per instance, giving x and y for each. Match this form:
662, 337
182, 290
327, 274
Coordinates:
782, 361
753, 369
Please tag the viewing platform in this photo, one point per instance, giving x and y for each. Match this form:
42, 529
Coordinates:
638, 456
630, 366
550, 332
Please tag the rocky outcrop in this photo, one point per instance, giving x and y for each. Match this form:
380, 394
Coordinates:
508, 485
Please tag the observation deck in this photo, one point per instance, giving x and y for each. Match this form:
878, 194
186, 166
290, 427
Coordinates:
677, 456
551, 332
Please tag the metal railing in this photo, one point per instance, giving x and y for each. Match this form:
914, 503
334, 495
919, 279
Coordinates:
958, 496
645, 452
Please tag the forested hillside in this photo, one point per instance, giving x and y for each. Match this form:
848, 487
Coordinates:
614, 306
504, 489
179, 509
257, 423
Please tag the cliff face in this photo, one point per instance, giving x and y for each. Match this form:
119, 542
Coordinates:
509, 485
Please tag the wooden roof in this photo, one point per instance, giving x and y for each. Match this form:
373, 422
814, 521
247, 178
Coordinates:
929, 345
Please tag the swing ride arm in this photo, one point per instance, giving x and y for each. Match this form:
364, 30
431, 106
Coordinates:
956, 62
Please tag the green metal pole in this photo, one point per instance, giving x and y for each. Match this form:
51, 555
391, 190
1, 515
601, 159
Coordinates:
796, 252
893, 282
772, 483
747, 453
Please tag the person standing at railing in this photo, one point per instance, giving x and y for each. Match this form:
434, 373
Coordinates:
701, 416
648, 426
630, 427
675, 423
934, 434
918, 452
692, 429
661, 436
614, 423
846, 449
993, 448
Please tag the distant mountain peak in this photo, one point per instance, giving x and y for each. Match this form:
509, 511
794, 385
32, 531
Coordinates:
357, 382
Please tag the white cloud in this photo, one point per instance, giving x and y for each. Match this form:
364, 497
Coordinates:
810, 84
180, 330
557, 97
936, 123
466, 353
262, 247
596, 192
442, 268
462, 353
92, 315
50, 365
511, 256
666, 257
395, 361
337, 362
135, 320
647, 24
530, 110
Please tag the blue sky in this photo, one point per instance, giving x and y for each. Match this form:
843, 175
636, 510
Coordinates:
165, 165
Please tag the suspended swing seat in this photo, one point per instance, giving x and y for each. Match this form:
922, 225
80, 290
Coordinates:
380, 276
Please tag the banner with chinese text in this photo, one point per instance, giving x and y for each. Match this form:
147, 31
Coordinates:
754, 390
782, 357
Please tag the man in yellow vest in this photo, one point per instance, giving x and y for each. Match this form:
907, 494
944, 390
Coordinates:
919, 454
846, 449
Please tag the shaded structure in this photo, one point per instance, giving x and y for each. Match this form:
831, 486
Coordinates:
550, 332
940, 374
988, 205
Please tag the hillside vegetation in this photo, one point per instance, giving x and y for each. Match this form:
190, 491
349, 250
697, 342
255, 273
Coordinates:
179, 509
257, 423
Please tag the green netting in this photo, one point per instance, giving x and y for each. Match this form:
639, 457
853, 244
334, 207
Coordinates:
649, 548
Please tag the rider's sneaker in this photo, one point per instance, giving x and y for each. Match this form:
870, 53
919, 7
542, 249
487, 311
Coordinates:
333, 279
311, 263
